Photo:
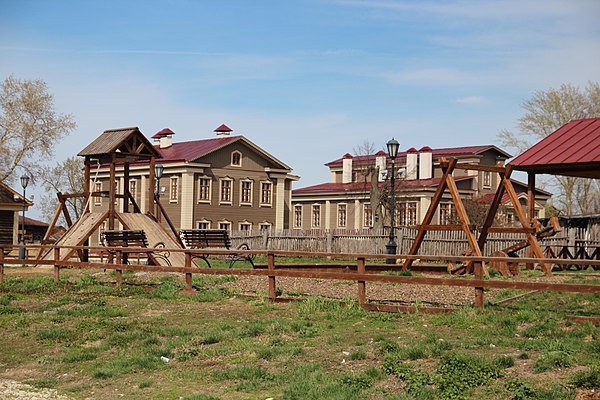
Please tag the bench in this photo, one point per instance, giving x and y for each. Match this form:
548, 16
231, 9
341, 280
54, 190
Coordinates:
136, 239
213, 239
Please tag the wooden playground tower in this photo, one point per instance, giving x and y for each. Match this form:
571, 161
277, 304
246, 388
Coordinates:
116, 147
529, 226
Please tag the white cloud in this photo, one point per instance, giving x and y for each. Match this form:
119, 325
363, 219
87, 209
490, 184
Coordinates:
471, 100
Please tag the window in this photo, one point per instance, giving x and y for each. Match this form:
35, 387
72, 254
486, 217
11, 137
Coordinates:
204, 224
298, 216
132, 189
204, 186
342, 215
226, 225
116, 192
407, 213
245, 226
264, 226
367, 216
266, 193
246, 192
447, 213
236, 159
98, 188
316, 216
487, 179
174, 192
226, 190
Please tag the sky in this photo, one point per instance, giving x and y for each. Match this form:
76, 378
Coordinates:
306, 80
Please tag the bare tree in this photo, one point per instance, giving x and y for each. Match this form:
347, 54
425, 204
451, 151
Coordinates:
368, 174
547, 111
29, 126
64, 177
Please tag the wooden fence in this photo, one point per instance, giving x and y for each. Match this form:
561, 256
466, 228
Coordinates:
440, 243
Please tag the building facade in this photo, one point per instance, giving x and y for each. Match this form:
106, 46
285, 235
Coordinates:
224, 182
11, 204
346, 202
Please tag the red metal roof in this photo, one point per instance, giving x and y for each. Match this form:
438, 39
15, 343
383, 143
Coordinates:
363, 187
436, 153
187, 151
573, 149
223, 128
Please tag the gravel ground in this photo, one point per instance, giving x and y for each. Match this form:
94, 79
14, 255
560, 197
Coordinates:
13, 390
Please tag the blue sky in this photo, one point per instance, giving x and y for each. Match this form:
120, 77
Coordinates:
307, 80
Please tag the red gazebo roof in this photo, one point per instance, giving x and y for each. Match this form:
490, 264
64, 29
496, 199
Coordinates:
572, 150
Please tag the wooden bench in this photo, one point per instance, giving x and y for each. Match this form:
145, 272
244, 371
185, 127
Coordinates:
213, 239
135, 239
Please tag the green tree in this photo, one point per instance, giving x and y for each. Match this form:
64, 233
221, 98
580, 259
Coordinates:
29, 126
544, 113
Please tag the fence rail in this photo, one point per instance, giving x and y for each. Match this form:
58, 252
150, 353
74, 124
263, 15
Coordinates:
361, 275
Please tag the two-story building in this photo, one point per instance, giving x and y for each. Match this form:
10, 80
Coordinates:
345, 202
224, 182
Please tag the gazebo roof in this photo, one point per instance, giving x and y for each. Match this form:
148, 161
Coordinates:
117, 144
572, 150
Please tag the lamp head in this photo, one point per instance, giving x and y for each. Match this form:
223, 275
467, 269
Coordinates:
392, 146
24, 181
158, 171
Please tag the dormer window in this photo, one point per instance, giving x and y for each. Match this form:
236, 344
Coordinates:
236, 159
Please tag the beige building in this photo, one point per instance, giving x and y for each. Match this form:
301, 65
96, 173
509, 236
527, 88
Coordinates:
224, 182
344, 203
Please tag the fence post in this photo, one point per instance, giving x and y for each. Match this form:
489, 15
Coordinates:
56, 266
119, 272
265, 239
478, 290
362, 289
1, 265
271, 268
188, 275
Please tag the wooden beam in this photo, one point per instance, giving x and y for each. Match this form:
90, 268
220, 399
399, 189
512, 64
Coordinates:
475, 167
447, 168
454, 227
151, 187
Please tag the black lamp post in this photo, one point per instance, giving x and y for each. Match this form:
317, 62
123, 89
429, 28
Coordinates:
392, 147
158, 173
24, 183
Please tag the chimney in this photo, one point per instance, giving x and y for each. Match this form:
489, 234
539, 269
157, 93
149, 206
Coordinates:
380, 164
164, 138
223, 131
425, 163
347, 168
412, 161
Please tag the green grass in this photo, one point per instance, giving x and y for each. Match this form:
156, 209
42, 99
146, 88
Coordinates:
84, 335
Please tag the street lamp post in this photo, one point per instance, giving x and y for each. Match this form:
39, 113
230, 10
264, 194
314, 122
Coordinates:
22, 250
392, 147
158, 173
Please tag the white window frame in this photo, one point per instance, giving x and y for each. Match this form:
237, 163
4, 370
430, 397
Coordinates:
248, 202
487, 179
233, 154
367, 222
269, 191
265, 226
221, 183
225, 224
298, 211
246, 224
313, 222
203, 221
173, 197
132, 189
342, 215
200, 186
98, 188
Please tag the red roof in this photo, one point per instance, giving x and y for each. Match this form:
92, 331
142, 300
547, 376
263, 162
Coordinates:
223, 128
32, 222
187, 151
163, 133
362, 186
573, 149
436, 153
